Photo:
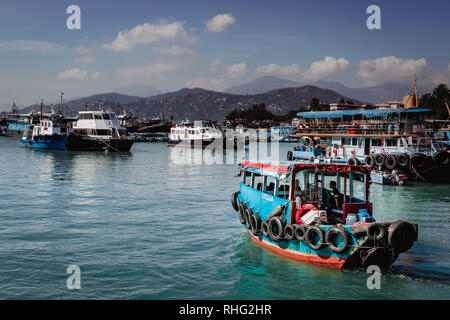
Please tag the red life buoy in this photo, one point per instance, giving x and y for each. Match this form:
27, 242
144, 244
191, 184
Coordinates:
303, 210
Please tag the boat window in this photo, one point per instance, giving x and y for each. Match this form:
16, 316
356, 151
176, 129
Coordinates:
257, 181
346, 141
376, 142
103, 132
86, 116
98, 117
270, 185
391, 142
354, 141
106, 116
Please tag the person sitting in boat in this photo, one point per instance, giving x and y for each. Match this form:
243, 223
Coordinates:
297, 189
334, 198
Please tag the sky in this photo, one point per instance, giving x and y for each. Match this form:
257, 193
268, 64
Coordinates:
215, 44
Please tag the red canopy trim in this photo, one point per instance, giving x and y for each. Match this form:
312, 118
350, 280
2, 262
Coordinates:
305, 166
266, 166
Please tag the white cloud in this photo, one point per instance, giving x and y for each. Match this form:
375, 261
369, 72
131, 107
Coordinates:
390, 70
236, 70
85, 59
148, 72
442, 76
83, 50
277, 69
220, 22
97, 75
35, 46
174, 50
215, 65
325, 68
149, 33
74, 73
207, 83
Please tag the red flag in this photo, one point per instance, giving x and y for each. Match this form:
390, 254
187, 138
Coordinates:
160, 101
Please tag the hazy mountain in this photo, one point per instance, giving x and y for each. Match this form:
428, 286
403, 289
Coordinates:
138, 90
374, 94
262, 85
199, 103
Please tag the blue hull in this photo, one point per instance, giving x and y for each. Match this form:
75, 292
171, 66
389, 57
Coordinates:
59, 144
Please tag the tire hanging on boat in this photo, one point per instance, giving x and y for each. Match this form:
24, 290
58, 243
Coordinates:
242, 212
379, 159
289, 155
353, 162
265, 229
235, 201
369, 161
441, 157
390, 162
276, 229
376, 231
300, 232
401, 236
255, 223
329, 237
309, 237
248, 214
403, 160
289, 232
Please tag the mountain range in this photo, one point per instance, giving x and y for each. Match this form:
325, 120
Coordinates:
372, 94
279, 95
199, 103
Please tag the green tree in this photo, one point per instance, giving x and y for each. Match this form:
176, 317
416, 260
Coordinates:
436, 101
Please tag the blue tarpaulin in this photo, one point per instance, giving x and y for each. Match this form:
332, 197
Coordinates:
366, 113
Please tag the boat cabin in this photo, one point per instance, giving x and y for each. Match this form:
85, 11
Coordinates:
98, 124
267, 186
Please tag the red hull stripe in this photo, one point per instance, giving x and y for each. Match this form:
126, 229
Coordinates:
299, 167
333, 262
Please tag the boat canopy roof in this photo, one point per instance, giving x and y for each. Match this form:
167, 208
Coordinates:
366, 113
282, 170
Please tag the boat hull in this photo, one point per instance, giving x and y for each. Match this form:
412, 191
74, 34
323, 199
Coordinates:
81, 143
56, 144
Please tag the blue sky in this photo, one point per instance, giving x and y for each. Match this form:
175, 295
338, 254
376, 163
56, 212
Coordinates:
176, 47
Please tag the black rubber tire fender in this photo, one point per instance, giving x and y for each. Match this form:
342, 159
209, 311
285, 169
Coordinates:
300, 232
235, 201
265, 229
288, 231
403, 160
390, 162
289, 155
401, 236
441, 157
329, 239
351, 162
255, 223
276, 234
379, 159
369, 161
308, 237
242, 209
376, 231
248, 214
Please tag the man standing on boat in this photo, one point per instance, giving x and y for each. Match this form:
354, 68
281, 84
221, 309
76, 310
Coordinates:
334, 199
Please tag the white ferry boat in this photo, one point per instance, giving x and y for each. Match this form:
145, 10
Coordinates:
98, 131
198, 135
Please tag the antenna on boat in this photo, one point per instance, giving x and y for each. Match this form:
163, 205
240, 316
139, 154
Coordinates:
42, 102
61, 103
415, 91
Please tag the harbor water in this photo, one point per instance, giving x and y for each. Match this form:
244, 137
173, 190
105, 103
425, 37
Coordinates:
140, 226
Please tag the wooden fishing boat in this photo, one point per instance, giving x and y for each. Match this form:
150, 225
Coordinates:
287, 208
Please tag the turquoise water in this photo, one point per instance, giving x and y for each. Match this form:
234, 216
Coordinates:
141, 227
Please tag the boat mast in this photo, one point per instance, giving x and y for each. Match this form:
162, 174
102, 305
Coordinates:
415, 90
61, 103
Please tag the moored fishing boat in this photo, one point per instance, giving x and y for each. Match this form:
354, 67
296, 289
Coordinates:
286, 208
45, 135
98, 131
